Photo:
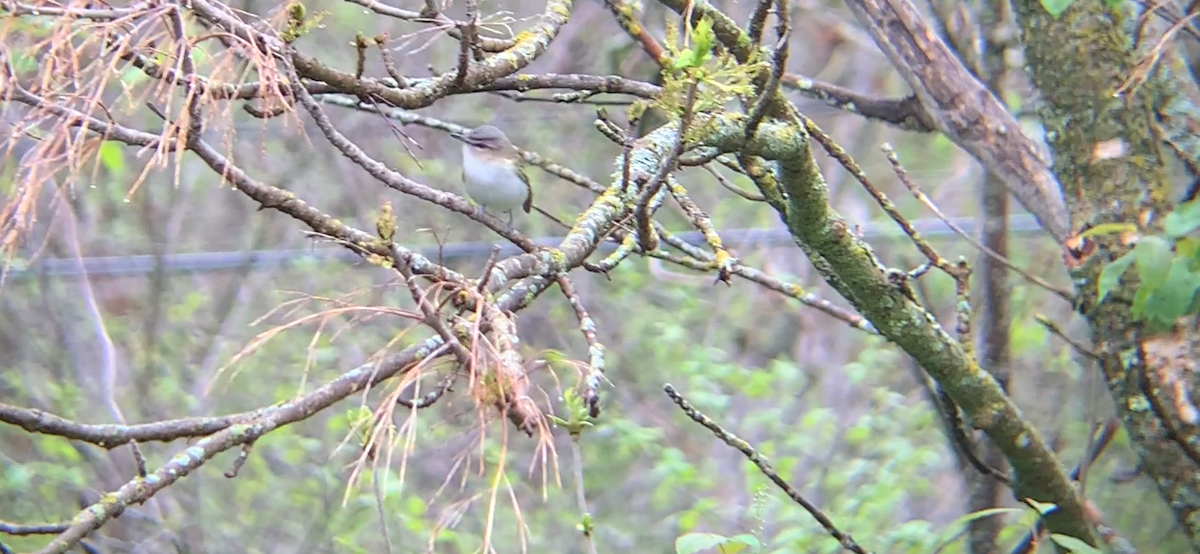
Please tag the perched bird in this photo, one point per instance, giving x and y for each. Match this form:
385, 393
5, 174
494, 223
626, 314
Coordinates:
493, 172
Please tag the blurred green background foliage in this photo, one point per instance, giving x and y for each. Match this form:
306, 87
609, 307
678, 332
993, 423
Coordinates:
839, 414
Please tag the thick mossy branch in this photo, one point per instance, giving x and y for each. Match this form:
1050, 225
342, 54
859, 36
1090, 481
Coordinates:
1109, 159
849, 265
1083, 110
1177, 111
898, 317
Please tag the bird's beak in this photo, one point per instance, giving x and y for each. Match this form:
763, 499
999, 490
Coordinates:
461, 136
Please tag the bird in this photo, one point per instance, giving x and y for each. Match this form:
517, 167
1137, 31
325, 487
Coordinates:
493, 172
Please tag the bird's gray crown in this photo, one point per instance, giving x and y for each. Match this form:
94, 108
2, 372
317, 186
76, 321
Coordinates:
486, 136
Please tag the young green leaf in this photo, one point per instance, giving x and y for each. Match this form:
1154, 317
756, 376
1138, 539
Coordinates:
1056, 7
703, 39
1174, 298
747, 539
1183, 220
1074, 545
113, 157
953, 530
1188, 248
1108, 229
692, 543
686, 59
1110, 276
1152, 256
1140, 298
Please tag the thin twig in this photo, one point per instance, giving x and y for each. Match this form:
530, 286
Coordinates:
469, 31
703, 158
389, 64
778, 68
646, 238
725, 182
624, 13
962, 312
723, 262
487, 269
958, 435
20, 530
1054, 329
587, 326
902, 174
580, 496
431, 397
764, 466
402, 262
243, 455
838, 153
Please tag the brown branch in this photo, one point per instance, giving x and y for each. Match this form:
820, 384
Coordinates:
469, 35
20, 530
423, 93
92, 14
962, 108
1099, 443
725, 182
778, 66
140, 490
906, 113
624, 13
609, 84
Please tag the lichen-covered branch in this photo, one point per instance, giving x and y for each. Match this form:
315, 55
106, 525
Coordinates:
850, 266
1113, 170
528, 46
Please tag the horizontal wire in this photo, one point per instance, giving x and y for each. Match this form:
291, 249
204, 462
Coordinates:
259, 260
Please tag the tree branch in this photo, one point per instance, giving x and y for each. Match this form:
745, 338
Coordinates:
962, 108
849, 265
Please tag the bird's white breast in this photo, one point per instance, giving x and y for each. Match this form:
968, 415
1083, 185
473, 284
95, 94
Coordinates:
495, 185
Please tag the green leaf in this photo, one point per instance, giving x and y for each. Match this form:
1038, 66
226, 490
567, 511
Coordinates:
1183, 220
954, 525
113, 157
1153, 260
703, 39
1188, 248
692, 543
858, 434
750, 541
1175, 297
1073, 544
1043, 508
1138, 309
1113, 3
729, 547
1108, 228
1110, 276
1056, 7
687, 58
953, 529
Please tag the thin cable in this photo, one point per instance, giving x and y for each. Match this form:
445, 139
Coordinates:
259, 260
